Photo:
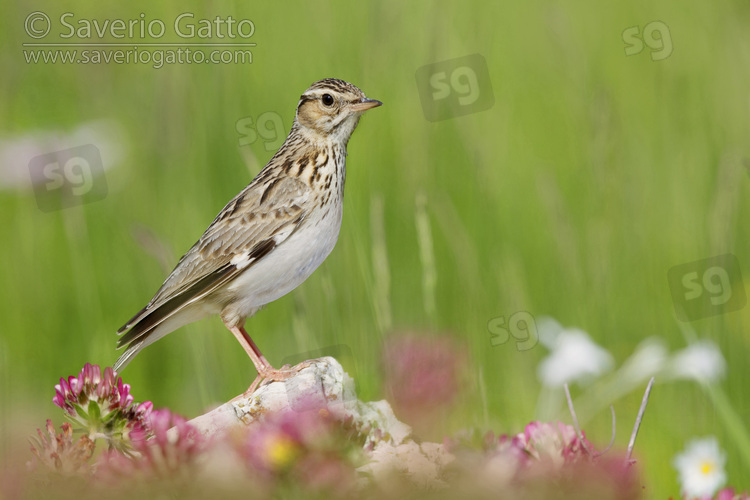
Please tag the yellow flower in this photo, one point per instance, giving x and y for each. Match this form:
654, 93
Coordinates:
282, 451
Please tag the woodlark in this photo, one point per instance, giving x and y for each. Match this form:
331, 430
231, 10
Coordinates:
270, 237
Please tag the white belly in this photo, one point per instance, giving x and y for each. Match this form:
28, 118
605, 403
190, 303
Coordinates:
284, 268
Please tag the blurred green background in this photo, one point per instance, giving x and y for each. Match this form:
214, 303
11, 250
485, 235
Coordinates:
591, 175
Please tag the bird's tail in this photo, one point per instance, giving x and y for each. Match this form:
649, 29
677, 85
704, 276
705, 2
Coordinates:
128, 355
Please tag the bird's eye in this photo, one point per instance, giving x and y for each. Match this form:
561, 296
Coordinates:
327, 100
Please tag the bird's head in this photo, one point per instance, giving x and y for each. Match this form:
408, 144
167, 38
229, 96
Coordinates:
330, 110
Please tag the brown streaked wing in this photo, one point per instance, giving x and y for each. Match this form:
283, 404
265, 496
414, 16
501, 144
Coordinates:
238, 228
195, 292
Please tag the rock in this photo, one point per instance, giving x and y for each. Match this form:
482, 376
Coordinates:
421, 464
323, 384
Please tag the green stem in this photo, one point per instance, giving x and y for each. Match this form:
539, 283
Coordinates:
731, 420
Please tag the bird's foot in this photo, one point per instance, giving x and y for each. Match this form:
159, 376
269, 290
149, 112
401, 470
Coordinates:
271, 374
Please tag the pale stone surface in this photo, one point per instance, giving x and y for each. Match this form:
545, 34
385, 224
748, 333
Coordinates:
422, 464
323, 384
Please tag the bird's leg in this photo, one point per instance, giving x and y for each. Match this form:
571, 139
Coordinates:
261, 365
266, 372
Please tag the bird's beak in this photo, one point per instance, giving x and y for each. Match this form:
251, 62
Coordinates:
365, 104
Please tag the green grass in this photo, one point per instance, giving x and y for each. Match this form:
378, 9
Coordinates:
591, 176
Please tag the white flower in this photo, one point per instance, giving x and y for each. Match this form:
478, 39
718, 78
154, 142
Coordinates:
701, 361
701, 468
548, 329
649, 359
574, 357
